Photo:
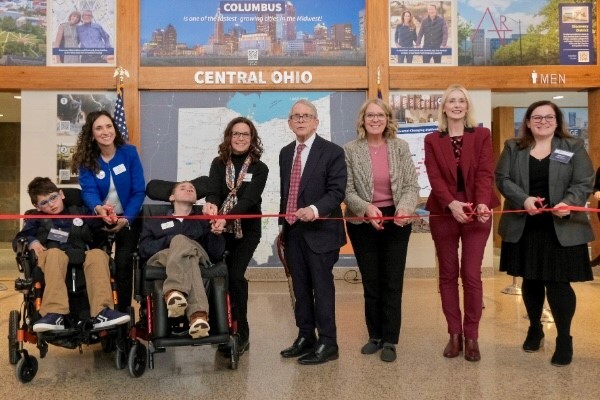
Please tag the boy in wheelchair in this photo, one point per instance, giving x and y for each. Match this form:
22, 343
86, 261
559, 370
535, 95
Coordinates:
58, 242
178, 244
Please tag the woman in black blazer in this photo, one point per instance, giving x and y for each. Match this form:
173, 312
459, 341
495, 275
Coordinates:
546, 167
236, 181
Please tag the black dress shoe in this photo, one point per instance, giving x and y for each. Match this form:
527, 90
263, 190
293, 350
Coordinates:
321, 354
302, 345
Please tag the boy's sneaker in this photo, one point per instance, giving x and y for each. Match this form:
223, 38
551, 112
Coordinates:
198, 325
176, 304
50, 322
107, 318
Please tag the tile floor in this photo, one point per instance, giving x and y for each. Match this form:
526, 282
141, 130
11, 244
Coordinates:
420, 372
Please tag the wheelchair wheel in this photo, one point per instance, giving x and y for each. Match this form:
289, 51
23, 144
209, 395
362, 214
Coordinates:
234, 355
138, 358
13, 342
27, 367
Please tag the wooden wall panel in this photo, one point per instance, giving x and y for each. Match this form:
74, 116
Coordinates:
502, 129
377, 42
128, 57
323, 78
495, 78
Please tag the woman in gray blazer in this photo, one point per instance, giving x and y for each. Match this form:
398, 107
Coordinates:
546, 167
382, 182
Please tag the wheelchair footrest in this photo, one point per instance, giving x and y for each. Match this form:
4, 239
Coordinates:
188, 341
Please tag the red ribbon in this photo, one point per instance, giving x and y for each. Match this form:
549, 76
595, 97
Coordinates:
469, 212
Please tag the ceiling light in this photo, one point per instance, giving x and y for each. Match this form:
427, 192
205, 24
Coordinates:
18, 97
558, 97
1, 115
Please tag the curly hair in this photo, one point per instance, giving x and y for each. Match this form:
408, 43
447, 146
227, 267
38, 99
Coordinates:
256, 148
87, 151
391, 125
526, 138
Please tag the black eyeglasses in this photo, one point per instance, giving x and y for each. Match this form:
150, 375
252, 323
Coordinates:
244, 135
301, 117
51, 199
539, 118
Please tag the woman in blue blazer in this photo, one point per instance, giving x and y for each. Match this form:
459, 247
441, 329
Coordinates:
113, 185
546, 167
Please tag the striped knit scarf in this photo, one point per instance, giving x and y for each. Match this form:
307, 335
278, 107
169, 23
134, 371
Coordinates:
232, 199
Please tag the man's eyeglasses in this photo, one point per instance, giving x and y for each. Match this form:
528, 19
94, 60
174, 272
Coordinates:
373, 116
539, 118
49, 200
301, 117
244, 135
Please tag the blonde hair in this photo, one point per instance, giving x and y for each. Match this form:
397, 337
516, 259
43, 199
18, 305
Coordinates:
391, 126
469, 122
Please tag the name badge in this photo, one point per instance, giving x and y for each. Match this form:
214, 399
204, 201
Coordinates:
119, 169
561, 156
58, 235
167, 225
247, 178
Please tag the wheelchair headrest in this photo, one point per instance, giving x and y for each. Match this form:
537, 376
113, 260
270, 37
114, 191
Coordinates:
160, 190
72, 197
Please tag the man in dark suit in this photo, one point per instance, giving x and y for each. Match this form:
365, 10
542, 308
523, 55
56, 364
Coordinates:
312, 187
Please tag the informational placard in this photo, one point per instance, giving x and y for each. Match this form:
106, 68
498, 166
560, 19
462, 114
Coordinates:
72, 109
516, 32
575, 34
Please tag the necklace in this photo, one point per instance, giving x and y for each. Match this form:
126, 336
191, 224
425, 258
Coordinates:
375, 149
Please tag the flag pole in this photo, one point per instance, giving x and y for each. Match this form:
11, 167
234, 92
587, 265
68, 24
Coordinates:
120, 73
119, 112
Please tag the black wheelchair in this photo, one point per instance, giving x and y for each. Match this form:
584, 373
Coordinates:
153, 325
78, 324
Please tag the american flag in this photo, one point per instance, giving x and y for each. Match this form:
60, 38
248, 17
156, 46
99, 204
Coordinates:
119, 115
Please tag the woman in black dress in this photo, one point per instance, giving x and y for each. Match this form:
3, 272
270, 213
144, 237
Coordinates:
237, 179
546, 167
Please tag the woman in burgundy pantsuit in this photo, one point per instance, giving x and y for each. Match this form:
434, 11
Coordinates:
460, 166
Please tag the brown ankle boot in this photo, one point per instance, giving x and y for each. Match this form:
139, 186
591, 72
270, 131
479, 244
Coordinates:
454, 346
472, 350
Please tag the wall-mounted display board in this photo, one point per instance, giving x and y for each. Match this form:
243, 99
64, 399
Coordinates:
58, 33
508, 33
252, 33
